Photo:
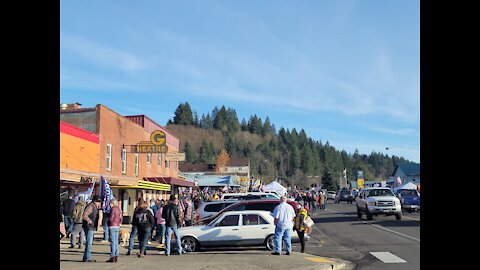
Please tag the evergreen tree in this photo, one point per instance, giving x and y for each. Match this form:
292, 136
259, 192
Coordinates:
204, 153
190, 156
183, 115
220, 120
266, 127
255, 125
244, 125
328, 182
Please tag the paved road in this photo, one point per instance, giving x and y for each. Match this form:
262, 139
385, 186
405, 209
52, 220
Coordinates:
339, 233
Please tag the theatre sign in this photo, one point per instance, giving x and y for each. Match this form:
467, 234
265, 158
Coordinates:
157, 144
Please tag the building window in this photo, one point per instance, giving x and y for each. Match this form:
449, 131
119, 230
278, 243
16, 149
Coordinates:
174, 165
136, 164
108, 165
159, 159
167, 164
149, 158
124, 161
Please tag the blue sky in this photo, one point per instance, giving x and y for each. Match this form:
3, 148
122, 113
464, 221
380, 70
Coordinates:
347, 72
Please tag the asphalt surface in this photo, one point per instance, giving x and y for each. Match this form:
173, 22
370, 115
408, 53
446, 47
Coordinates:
212, 258
338, 233
339, 239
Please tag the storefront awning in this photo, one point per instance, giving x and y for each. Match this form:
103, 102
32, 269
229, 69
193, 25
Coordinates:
146, 185
172, 181
77, 176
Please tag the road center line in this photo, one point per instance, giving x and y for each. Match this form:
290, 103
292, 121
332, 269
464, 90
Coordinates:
411, 218
383, 228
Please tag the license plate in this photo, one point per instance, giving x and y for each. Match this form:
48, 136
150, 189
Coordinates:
386, 211
414, 206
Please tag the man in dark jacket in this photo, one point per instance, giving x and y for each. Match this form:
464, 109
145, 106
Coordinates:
171, 214
67, 215
134, 230
90, 224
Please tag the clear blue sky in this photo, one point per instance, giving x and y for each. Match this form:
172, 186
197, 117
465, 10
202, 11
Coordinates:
347, 72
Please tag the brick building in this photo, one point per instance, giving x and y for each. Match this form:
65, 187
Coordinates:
131, 175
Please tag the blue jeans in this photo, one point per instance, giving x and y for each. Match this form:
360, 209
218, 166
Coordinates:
114, 241
168, 236
68, 221
160, 232
87, 254
143, 236
285, 234
105, 226
133, 233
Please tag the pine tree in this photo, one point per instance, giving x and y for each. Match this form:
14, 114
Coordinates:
190, 156
328, 182
183, 115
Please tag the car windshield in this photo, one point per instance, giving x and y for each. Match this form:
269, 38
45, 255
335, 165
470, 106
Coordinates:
344, 192
379, 192
408, 192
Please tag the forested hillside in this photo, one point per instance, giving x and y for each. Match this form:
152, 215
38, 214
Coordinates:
287, 154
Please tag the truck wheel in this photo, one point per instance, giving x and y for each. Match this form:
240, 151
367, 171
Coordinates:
369, 216
398, 216
359, 213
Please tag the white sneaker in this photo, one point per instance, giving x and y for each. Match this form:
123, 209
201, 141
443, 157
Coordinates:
104, 241
149, 242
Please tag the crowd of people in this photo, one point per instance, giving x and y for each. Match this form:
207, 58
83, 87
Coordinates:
158, 219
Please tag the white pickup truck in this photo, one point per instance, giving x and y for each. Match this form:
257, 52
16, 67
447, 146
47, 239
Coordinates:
378, 201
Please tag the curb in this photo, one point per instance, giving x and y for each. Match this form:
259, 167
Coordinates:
330, 263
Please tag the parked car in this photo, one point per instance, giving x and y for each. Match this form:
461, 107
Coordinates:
233, 228
249, 196
207, 209
409, 199
344, 195
354, 194
378, 201
331, 195
262, 204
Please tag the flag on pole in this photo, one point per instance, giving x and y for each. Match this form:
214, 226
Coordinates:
106, 194
87, 195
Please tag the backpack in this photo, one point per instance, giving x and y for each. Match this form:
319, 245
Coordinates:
142, 218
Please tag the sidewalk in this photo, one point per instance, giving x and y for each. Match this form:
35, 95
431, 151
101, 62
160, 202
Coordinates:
216, 259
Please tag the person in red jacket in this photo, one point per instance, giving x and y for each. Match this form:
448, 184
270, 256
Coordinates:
114, 222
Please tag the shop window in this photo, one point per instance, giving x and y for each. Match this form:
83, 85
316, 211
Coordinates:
149, 158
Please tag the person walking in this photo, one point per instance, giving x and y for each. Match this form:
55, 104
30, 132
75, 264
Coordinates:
89, 225
154, 207
321, 200
299, 226
105, 218
144, 221
134, 230
77, 217
114, 222
67, 215
160, 223
284, 215
171, 214
188, 212
62, 235
325, 196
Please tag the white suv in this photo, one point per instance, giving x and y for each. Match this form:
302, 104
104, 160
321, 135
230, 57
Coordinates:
378, 201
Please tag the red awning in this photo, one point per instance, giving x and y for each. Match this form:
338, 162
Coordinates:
171, 181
